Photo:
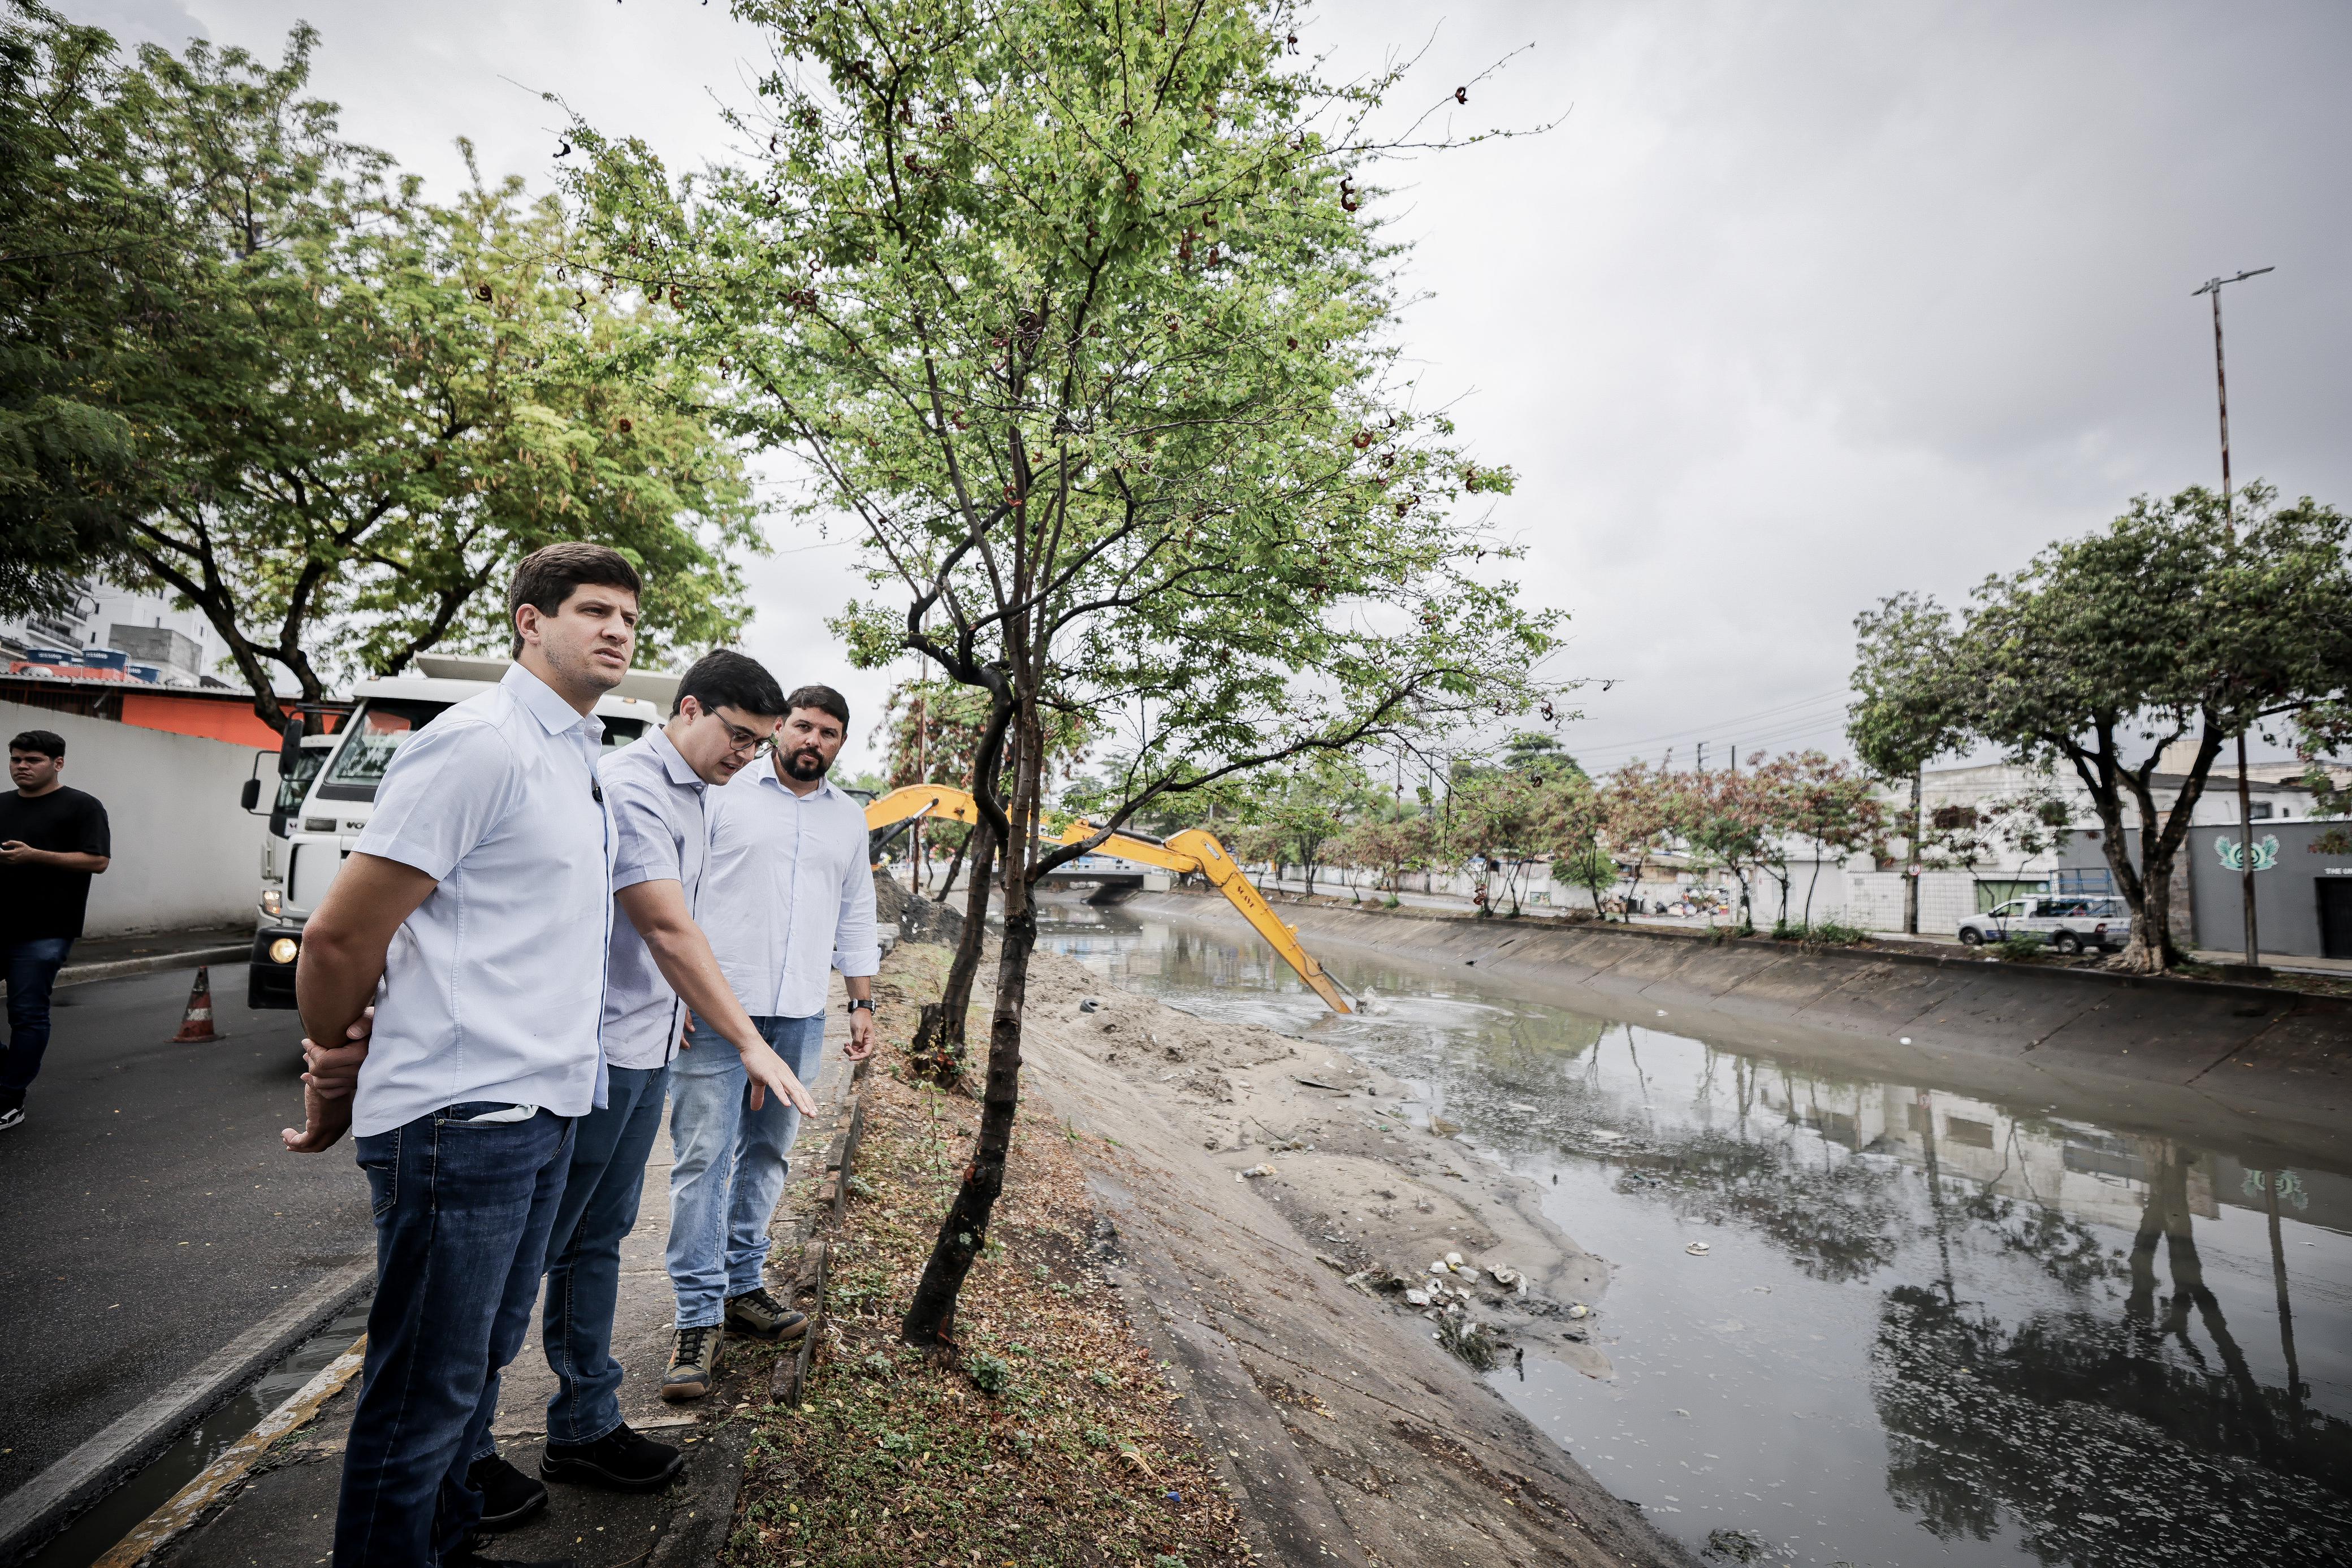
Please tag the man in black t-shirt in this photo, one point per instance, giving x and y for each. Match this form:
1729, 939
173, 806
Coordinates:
53, 839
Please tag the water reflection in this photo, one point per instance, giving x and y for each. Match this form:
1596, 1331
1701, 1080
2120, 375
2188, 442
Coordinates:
1932, 1328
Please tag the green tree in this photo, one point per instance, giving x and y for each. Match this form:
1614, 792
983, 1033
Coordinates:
1728, 822
1581, 838
1389, 838
1835, 810
1306, 807
70, 228
2169, 624
1640, 820
335, 413
1501, 820
1908, 710
1069, 304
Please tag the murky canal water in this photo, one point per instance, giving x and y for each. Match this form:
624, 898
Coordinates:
1929, 1329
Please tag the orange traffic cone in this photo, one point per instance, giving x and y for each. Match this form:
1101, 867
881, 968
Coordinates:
196, 1023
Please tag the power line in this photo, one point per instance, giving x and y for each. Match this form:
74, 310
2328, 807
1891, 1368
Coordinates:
1808, 715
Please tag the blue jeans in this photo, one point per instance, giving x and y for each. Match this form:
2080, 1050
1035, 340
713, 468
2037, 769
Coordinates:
462, 1213
599, 1209
31, 966
731, 1164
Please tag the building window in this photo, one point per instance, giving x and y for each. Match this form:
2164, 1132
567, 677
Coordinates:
2260, 810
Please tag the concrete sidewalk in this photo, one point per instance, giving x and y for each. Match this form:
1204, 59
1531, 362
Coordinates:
114, 957
284, 1513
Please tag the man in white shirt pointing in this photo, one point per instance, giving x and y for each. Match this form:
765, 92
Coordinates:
788, 897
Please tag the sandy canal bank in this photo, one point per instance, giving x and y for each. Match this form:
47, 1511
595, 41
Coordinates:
1349, 1433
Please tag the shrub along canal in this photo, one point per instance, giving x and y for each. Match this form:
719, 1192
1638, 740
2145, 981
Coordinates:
1921, 1328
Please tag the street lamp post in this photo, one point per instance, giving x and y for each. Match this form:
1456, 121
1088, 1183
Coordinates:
2213, 286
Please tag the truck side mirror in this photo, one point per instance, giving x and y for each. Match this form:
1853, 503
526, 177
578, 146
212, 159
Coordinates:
289, 745
250, 796
277, 822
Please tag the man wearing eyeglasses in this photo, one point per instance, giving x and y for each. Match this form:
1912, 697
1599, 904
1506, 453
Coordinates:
660, 964
789, 898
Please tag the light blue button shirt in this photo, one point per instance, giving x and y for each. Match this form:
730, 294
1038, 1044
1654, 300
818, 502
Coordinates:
789, 894
493, 989
660, 834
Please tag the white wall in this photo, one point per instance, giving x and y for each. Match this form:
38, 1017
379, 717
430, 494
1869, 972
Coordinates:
186, 854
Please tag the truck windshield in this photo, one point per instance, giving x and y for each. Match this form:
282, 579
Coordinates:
294, 785
381, 727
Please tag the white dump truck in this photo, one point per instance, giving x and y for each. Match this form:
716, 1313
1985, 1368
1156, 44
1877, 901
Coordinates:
330, 801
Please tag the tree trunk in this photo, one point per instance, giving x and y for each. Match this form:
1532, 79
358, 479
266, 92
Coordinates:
930, 1316
955, 864
941, 1053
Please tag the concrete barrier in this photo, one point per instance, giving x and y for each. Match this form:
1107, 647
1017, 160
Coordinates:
185, 853
2162, 1053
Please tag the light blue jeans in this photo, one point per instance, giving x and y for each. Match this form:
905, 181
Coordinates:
730, 1162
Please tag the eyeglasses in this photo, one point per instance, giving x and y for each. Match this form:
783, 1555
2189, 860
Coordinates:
744, 742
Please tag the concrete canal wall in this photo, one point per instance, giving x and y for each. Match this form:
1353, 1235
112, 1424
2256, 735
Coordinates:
2171, 1056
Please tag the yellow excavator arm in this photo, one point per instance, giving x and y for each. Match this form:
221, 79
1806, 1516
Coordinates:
1193, 852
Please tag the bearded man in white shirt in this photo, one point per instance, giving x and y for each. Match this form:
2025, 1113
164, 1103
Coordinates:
788, 896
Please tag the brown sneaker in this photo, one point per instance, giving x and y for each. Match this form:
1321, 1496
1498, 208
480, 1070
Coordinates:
694, 1362
760, 1315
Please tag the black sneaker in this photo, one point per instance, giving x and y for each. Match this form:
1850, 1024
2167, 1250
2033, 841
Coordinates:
620, 1460
509, 1496
10, 1116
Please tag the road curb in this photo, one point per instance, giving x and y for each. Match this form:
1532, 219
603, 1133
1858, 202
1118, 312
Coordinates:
222, 1475
117, 968
46, 1503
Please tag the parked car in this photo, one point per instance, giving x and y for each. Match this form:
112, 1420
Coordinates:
2066, 924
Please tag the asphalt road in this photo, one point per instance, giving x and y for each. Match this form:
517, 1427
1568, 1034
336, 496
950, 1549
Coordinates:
147, 1212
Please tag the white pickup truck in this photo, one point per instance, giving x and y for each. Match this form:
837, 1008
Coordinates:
2065, 923
332, 811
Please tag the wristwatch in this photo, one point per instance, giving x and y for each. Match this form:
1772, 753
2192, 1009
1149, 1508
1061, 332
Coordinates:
857, 1002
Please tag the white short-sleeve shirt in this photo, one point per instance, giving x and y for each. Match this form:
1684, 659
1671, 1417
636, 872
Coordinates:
789, 894
493, 989
660, 835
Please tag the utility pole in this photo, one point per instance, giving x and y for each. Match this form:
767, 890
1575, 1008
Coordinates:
2213, 286
922, 776
1911, 856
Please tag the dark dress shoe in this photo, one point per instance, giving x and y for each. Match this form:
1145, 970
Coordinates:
620, 1460
509, 1496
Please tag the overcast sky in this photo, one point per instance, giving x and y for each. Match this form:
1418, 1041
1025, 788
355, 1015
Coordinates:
1798, 307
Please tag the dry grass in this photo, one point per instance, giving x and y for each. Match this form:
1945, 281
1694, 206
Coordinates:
1049, 1436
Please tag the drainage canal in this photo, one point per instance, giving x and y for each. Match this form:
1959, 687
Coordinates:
1925, 1329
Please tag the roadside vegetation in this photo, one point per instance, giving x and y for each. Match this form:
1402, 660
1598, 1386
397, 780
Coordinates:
1766, 826
1047, 1436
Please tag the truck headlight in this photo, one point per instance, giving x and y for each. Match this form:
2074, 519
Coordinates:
273, 903
283, 950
